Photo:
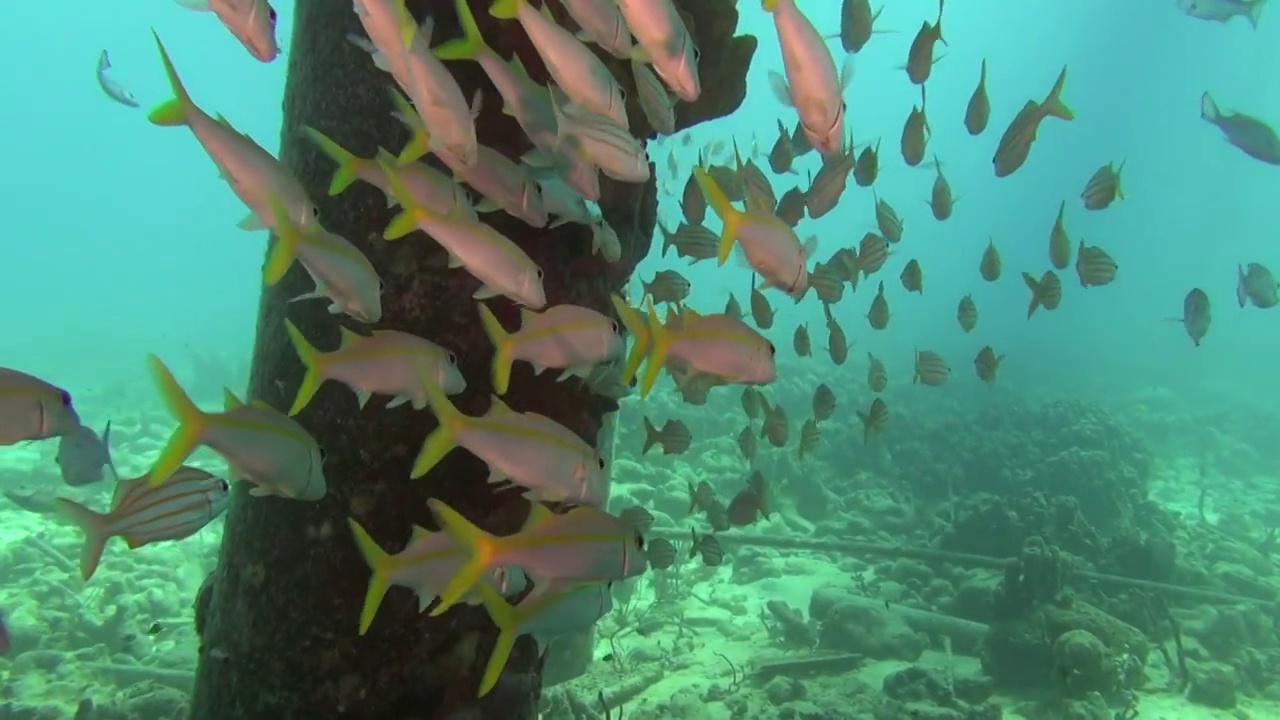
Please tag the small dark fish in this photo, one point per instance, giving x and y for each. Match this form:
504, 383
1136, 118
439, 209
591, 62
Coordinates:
888, 222
829, 184
661, 553
667, 286
990, 266
732, 308
873, 251
1059, 241
729, 181
693, 204
637, 518
800, 145
857, 23
752, 402
930, 369
915, 137
775, 425
920, 56
940, 200
809, 436
1256, 285
877, 376
986, 364
154, 629
1196, 315
1045, 293
878, 315
827, 282
867, 167
912, 277
1246, 132
674, 437
761, 310
690, 241
967, 313
837, 343
83, 455
978, 112
792, 206
1094, 266
708, 547
824, 402
1015, 143
751, 502
801, 341
874, 419
747, 443
780, 156
1103, 188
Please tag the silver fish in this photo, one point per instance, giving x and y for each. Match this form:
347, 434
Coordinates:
1223, 10
113, 89
1256, 138
83, 454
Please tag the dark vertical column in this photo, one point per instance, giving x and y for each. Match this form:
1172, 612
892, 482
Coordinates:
278, 619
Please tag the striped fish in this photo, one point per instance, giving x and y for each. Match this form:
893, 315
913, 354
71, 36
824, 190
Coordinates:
1103, 187
1015, 143
1045, 293
1094, 266
874, 419
930, 369
600, 139
143, 513
986, 364
655, 101
967, 313
1059, 241
888, 222
877, 376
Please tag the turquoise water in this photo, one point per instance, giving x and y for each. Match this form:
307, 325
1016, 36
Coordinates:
121, 241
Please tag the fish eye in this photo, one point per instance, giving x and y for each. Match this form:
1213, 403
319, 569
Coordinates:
600, 461
315, 212
223, 485
540, 274
622, 94
614, 324
697, 54
65, 398
639, 541
772, 350
323, 454
271, 13
451, 357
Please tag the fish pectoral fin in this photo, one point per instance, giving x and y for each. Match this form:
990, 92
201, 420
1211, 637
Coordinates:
397, 401
578, 371
251, 222
260, 491
781, 90
362, 398
488, 205
496, 476
485, 292
455, 262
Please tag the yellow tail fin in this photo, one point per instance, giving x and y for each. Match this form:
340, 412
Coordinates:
634, 321
348, 164
507, 619
503, 347
445, 437
505, 9
479, 545
313, 360
173, 112
728, 214
659, 344
470, 45
191, 422
379, 581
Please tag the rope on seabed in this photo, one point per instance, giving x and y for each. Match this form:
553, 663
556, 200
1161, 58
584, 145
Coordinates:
792, 542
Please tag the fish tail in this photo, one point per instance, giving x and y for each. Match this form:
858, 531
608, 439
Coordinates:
503, 348
313, 360
379, 563
479, 546
505, 9
634, 322
174, 111
650, 436
419, 138
1255, 12
94, 525
348, 163
507, 619
659, 344
470, 45
1240, 289
1208, 108
1034, 286
668, 240
283, 252
445, 437
1053, 104
719, 202
191, 422
406, 220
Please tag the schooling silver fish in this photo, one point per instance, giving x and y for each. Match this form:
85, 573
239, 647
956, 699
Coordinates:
83, 455
1223, 10
113, 89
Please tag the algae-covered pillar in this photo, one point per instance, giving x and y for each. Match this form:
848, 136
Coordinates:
278, 620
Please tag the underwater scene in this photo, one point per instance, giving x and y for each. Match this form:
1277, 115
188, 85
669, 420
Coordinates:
640, 360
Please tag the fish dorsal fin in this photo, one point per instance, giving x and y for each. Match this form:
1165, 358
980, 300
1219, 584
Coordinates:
499, 407
349, 337
538, 514
230, 401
